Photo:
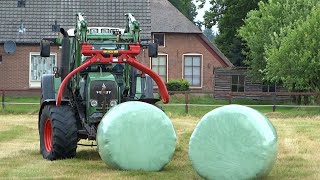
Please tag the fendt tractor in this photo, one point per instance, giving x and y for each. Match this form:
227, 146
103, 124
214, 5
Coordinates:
98, 70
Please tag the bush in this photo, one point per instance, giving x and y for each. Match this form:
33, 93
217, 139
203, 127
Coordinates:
178, 85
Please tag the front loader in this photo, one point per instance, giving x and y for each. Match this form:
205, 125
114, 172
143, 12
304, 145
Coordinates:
98, 71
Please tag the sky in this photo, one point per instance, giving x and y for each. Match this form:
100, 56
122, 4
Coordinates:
199, 17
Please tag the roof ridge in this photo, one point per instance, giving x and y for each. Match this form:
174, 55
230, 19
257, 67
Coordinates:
171, 21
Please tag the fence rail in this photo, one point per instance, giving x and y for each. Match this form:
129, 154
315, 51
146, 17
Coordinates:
186, 94
230, 96
3, 95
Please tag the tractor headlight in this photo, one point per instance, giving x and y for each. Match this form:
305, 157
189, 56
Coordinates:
113, 102
94, 103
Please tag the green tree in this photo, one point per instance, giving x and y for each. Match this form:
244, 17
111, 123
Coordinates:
209, 34
186, 7
294, 57
272, 19
229, 16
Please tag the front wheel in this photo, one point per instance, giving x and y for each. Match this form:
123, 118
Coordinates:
58, 132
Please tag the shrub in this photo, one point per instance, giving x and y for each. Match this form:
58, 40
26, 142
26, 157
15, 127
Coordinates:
178, 85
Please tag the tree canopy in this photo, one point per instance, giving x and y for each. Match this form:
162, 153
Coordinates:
294, 58
186, 7
229, 16
209, 34
281, 38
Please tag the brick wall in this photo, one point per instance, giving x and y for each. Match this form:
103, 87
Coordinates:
14, 68
176, 45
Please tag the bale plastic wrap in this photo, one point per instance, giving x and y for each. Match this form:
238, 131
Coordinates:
233, 142
136, 136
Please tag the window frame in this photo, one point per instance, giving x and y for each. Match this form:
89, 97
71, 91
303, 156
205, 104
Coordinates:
33, 83
164, 39
238, 83
201, 69
167, 66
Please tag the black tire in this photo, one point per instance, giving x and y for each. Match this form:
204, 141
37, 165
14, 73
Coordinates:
58, 132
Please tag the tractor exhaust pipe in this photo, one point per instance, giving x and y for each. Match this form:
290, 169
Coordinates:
64, 68
64, 32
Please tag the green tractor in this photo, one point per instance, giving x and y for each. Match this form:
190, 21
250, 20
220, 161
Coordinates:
98, 71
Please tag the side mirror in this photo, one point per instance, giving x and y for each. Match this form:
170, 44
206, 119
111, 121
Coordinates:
45, 48
153, 50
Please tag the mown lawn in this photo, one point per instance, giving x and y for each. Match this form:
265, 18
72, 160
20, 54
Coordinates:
298, 157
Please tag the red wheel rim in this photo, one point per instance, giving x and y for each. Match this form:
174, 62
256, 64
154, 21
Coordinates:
47, 135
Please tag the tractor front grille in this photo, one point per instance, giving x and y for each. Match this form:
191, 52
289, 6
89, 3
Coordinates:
102, 90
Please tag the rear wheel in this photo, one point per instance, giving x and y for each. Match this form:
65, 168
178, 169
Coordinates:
58, 133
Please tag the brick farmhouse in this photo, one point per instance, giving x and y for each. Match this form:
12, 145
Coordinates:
184, 52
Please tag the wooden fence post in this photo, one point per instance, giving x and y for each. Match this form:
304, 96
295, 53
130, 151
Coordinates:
3, 100
186, 94
274, 102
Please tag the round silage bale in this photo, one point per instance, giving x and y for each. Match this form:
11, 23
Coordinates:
136, 136
233, 142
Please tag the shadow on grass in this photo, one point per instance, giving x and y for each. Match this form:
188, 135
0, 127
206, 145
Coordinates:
89, 154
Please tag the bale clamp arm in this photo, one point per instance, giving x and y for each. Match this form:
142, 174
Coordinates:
126, 56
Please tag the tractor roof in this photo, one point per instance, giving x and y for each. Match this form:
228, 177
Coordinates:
98, 30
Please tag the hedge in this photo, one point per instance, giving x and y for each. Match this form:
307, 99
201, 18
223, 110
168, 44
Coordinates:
178, 85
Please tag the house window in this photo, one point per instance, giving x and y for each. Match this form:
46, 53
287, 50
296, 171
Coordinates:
237, 83
192, 69
39, 66
159, 65
268, 87
159, 38
21, 3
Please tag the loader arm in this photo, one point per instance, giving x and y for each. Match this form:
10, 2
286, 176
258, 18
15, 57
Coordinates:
125, 57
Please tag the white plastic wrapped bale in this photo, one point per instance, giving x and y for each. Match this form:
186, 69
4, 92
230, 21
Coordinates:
233, 142
136, 136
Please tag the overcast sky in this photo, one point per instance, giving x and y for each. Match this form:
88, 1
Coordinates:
199, 17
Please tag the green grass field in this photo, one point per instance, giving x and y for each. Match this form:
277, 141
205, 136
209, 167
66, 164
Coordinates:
20, 108
298, 157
